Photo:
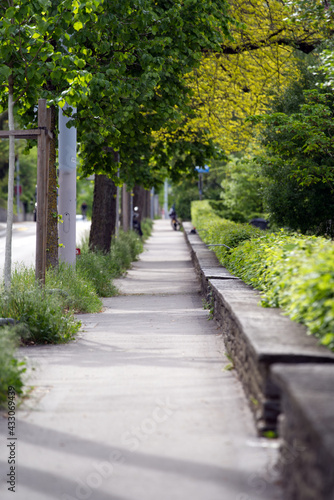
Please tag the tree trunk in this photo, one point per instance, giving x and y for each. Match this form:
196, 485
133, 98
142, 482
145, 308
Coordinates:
148, 204
142, 200
104, 214
125, 209
52, 229
10, 200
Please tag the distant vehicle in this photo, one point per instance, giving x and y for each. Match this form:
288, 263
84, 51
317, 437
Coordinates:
136, 222
259, 222
173, 219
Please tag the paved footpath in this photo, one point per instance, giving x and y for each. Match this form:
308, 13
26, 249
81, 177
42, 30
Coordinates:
141, 405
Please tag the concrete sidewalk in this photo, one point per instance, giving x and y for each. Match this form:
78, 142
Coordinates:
140, 406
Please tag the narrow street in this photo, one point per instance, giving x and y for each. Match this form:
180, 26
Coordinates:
24, 242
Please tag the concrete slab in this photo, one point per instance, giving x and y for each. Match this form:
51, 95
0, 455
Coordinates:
142, 406
307, 430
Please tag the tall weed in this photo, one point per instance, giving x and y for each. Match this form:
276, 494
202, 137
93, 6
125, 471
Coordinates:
40, 312
11, 370
75, 290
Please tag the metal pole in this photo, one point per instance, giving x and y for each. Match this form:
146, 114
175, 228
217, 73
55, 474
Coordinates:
166, 198
200, 185
131, 210
18, 185
67, 189
152, 203
117, 208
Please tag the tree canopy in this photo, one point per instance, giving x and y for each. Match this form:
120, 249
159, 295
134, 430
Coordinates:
236, 82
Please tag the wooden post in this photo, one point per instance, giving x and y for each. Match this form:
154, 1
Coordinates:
42, 190
43, 136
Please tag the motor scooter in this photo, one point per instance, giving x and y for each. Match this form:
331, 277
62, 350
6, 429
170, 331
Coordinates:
173, 219
136, 222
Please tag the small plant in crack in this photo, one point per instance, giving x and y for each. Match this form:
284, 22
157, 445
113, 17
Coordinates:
230, 366
208, 304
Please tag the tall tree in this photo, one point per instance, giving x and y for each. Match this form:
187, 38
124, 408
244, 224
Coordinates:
32, 50
23, 44
138, 55
104, 214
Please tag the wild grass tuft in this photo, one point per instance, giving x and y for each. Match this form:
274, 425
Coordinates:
11, 370
39, 311
76, 292
46, 314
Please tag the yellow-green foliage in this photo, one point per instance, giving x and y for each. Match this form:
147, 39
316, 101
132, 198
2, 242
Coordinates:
294, 272
229, 86
216, 230
202, 214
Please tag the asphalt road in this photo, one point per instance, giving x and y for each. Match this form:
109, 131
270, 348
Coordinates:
24, 242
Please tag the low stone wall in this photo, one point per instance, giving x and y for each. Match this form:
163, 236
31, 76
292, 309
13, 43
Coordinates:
256, 338
287, 377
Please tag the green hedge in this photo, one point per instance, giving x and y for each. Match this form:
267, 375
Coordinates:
292, 271
214, 229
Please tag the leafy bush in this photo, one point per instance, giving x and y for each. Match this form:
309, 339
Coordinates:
215, 230
95, 268
147, 226
11, 370
202, 213
242, 194
297, 159
46, 315
222, 211
292, 271
74, 289
295, 273
100, 269
40, 312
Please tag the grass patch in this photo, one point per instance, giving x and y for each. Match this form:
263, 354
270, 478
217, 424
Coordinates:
76, 292
11, 370
46, 315
41, 314
100, 269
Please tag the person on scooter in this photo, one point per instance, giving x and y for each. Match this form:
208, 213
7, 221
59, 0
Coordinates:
172, 214
136, 222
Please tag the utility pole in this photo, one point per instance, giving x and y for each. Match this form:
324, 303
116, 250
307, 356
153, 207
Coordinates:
166, 198
131, 210
18, 185
125, 209
152, 204
117, 207
67, 188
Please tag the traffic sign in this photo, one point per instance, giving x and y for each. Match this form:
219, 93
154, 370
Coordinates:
202, 170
